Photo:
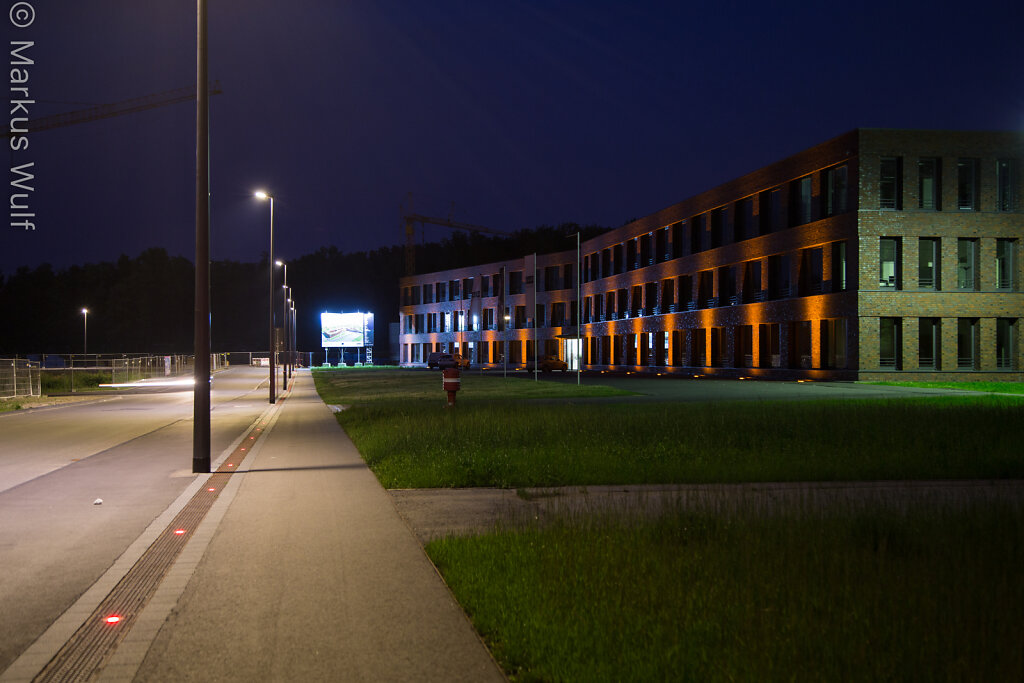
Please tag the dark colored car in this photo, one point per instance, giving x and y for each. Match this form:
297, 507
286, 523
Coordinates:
548, 364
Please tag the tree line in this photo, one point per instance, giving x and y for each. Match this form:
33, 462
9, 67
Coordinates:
145, 304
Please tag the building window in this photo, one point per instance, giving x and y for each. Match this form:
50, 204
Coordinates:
966, 343
696, 234
668, 291
835, 343
889, 343
839, 266
967, 184
1006, 263
778, 220
929, 184
967, 264
715, 229
636, 295
778, 276
928, 263
800, 201
890, 185
727, 286
1006, 337
677, 239
752, 282
515, 282
705, 289
835, 190
1006, 184
661, 251
929, 352
811, 271
889, 263
685, 292
650, 298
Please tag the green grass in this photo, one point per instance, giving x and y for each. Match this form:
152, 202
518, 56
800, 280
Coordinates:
53, 382
414, 444
364, 386
995, 387
845, 594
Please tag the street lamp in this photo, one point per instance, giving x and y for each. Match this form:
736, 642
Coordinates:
263, 196
284, 317
286, 296
85, 331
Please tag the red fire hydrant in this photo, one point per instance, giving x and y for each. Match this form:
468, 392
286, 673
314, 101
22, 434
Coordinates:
451, 383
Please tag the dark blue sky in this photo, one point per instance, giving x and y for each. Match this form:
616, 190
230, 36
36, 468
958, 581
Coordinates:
519, 113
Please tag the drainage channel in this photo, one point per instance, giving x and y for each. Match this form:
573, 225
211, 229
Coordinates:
95, 641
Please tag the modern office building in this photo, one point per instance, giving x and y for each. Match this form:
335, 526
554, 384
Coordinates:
880, 254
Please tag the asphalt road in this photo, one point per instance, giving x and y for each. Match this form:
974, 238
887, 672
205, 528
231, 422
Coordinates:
133, 452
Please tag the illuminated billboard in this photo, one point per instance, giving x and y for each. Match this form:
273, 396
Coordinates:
346, 329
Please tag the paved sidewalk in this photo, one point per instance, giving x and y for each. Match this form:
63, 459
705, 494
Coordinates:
311, 575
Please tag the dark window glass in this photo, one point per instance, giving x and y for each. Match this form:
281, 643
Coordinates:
966, 264
928, 263
1006, 184
929, 184
835, 190
967, 184
888, 263
889, 185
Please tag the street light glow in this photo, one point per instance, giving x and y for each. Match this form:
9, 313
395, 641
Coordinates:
260, 194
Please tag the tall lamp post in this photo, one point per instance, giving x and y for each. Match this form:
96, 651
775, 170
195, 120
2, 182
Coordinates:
85, 331
263, 196
201, 333
284, 316
286, 323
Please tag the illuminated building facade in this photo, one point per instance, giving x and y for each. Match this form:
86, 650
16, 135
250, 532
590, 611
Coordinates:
880, 254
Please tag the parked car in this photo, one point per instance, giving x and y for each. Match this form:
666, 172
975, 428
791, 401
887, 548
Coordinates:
548, 364
447, 360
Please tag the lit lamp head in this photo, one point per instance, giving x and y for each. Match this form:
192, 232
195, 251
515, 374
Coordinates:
260, 194
85, 311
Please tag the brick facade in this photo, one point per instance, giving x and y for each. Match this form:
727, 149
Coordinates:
776, 274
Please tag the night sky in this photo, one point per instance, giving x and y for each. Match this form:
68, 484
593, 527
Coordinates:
510, 114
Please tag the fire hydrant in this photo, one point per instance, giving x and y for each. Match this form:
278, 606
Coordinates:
451, 383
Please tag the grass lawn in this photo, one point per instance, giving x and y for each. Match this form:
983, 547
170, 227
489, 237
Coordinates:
848, 594
349, 386
410, 440
994, 387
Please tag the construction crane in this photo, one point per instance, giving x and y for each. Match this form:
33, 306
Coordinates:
106, 111
410, 234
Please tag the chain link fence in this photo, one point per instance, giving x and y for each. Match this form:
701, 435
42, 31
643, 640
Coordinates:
19, 377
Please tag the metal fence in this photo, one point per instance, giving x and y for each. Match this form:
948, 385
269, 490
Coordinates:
19, 377
71, 373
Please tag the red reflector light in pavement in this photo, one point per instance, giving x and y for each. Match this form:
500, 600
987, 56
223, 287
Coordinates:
231, 464
211, 489
112, 619
179, 532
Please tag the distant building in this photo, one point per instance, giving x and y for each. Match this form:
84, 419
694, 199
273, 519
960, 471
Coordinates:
880, 254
